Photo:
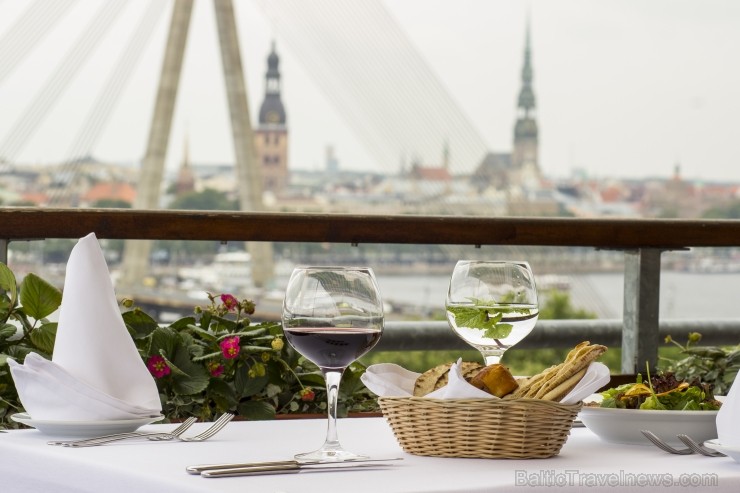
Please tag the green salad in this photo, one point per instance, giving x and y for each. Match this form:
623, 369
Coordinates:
661, 392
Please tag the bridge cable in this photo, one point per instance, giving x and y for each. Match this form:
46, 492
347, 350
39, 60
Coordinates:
28, 30
101, 110
342, 73
414, 105
382, 66
40, 107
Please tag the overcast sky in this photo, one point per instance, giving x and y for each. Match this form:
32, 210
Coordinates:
624, 88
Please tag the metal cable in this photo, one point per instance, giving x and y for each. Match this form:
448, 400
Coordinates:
366, 64
30, 28
101, 110
60, 79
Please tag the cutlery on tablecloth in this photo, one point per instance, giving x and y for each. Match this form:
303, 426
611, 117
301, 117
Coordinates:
217, 426
296, 467
699, 447
283, 465
693, 445
131, 434
655, 440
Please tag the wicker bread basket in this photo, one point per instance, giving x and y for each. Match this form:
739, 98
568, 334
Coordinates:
479, 428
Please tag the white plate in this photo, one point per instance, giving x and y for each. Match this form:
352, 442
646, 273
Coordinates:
624, 425
728, 450
84, 429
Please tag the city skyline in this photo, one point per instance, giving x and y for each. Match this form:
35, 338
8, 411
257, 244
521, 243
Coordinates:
622, 89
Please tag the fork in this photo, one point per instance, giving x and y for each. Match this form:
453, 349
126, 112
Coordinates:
122, 436
663, 445
698, 447
158, 437
217, 426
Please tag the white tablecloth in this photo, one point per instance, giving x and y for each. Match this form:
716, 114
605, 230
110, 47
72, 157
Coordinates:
29, 465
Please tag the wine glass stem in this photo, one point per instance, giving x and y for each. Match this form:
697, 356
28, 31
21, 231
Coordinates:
492, 357
332, 377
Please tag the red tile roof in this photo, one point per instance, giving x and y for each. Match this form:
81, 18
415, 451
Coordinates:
112, 191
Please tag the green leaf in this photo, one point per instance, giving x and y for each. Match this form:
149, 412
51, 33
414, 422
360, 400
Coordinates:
164, 340
499, 331
7, 331
481, 316
208, 356
139, 322
313, 380
206, 335
8, 283
5, 307
43, 337
254, 349
256, 410
223, 394
39, 297
466, 316
251, 333
182, 323
221, 323
247, 386
197, 378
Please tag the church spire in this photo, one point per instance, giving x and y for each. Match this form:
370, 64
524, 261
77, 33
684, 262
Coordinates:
272, 111
526, 94
525, 154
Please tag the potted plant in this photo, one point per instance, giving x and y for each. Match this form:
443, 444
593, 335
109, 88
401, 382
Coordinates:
714, 365
214, 361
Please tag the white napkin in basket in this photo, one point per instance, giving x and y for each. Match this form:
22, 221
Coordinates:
391, 380
96, 372
728, 433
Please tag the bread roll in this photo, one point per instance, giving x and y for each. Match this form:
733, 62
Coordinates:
495, 379
426, 382
437, 377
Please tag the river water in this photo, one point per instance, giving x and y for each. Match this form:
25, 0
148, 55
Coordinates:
683, 295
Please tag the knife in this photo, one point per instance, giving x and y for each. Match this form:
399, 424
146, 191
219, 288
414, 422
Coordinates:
289, 469
286, 464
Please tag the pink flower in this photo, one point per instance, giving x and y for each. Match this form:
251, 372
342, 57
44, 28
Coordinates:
230, 347
215, 368
230, 302
158, 366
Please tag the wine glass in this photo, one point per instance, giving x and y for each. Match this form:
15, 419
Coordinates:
492, 305
332, 316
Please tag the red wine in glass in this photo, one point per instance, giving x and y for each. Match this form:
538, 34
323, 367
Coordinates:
330, 347
332, 316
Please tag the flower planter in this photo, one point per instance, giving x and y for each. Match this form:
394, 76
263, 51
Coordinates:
323, 415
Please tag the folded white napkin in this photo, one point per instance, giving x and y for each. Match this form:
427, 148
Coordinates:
391, 380
597, 375
96, 372
728, 432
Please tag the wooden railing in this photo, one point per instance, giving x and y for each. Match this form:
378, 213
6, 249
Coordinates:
642, 240
662, 234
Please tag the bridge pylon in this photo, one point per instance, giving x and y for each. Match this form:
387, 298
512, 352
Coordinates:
248, 173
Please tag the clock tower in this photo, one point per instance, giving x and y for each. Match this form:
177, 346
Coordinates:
271, 134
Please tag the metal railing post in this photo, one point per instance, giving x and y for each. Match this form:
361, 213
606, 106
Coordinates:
640, 336
4, 251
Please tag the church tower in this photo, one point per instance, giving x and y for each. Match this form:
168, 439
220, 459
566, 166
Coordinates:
185, 182
271, 134
525, 162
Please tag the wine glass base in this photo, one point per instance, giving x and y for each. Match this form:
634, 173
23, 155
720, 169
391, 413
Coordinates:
329, 455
